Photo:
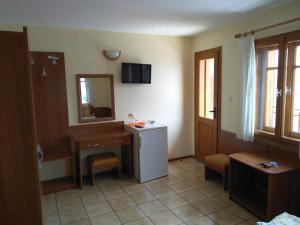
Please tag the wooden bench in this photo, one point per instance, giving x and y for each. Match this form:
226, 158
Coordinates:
103, 161
217, 164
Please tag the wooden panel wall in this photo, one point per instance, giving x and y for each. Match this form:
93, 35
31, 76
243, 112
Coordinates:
230, 144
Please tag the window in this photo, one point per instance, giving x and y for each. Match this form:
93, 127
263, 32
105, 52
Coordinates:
206, 87
292, 92
83, 87
278, 86
267, 88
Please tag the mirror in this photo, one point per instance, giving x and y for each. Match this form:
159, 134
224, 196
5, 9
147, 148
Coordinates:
95, 98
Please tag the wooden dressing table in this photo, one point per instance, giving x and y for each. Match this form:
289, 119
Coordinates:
91, 137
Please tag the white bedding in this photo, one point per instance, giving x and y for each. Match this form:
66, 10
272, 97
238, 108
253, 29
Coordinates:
283, 219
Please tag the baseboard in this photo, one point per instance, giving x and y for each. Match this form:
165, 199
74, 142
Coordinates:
181, 158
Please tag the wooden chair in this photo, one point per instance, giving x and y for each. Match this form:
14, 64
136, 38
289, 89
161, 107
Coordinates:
217, 164
103, 161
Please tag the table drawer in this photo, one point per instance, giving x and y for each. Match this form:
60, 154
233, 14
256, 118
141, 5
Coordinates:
92, 145
119, 141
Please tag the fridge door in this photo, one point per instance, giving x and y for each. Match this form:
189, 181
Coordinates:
153, 154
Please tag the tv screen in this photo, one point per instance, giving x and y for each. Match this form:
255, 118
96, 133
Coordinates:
136, 73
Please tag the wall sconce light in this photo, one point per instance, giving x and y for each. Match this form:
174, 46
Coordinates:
111, 54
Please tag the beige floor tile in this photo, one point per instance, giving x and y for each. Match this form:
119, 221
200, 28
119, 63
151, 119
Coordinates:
142, 197
187, 212
98, 209
117, 193
183, 175
173, 201
203, 220
70, 203
179, 187
107, 184
196, 183
73, 215
130, 214
152, 208
51, 219
50, 208
134, 189
121, 202
81, 222
48, 199
93, 198
241, 212
124, 182
150, 185
106, 219
192, 195
87, 190
66, 195
223, 200
253, 221
244, 223
225, 217
207, 206
211, 190
143, 221
171, 179
162, 192
165, 218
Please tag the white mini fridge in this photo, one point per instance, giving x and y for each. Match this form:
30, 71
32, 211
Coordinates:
150, 151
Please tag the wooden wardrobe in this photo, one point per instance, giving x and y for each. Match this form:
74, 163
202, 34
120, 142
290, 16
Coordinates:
20, 199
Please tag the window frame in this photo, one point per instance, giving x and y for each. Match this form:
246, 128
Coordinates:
290, 67
282, 41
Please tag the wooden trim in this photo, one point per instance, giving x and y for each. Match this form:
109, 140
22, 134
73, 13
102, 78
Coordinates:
181, 158
58, 184
111, 77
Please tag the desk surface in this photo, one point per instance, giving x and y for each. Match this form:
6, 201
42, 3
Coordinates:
254, 159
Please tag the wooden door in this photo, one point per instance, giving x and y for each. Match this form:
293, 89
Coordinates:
50, 103
207, 102
20, 201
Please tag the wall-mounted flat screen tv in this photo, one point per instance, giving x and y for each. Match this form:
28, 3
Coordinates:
136, 73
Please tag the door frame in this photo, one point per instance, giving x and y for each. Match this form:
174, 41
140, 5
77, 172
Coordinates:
196, 97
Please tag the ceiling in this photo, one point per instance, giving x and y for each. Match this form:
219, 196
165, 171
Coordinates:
163, 17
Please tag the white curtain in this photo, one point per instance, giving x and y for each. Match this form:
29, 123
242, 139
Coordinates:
247, 89
89, 91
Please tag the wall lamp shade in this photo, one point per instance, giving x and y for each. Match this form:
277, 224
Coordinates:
112, 54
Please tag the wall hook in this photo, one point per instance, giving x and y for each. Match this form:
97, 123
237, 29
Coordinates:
44, 72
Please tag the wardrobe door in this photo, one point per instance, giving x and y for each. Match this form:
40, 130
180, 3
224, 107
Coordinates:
20, 199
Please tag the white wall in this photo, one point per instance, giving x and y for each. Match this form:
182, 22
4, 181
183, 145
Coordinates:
168, 99
224, 37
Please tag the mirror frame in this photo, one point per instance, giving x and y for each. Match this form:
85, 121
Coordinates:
111, 79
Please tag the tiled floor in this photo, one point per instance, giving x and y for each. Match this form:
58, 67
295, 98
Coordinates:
181, 198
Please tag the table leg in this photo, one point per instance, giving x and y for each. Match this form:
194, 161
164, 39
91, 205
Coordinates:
78, 168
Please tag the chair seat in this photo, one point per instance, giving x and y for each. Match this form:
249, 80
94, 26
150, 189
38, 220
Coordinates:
217, 162
104, 160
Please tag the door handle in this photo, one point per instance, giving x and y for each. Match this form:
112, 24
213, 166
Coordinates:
214, 111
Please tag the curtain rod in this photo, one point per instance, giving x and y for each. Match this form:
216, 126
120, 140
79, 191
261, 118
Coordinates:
266, 28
